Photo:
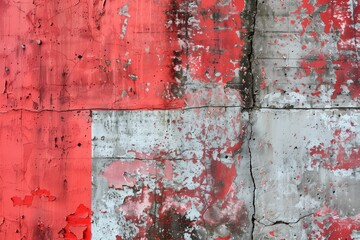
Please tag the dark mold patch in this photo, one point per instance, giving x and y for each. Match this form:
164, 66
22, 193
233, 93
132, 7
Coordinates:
172, 225
42, 232
179, 30
244, 80
216, 15
7, 70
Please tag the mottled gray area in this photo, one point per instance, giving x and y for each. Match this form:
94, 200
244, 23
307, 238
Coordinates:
290, 186
170, 150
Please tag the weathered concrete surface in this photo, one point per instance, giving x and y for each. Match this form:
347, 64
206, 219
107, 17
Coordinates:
306, 166
186, 173
305, 163
307, 54
61, 57
171, 174
146, 54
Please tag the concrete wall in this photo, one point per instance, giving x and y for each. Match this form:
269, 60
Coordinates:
179, 119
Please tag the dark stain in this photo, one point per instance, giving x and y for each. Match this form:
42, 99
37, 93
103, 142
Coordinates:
216, 16
177, 90
240, 224
177, 70
64, 94
98, 12
35, 105
203, 11
178, 15
42, 232
64, 72
4, 5
65, 185
171, 226
5, 87
237, 224
244, 81
7, 70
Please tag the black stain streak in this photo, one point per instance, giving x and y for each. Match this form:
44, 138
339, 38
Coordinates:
42, 232
244, 81
172, 225
178, 23
64, 94
216, 16
5, 87
7, 70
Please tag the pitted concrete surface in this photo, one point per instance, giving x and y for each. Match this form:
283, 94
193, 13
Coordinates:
150, 168
180, 119
306, 168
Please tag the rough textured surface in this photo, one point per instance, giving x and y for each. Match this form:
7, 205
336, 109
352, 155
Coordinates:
307, 180
45, 174
307, 54
179, 119
136, 54
176, 178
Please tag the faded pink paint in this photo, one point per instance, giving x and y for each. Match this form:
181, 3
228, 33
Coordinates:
331, 226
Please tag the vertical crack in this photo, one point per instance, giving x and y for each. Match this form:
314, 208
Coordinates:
252, 176
252, 13
251, 54
244, 80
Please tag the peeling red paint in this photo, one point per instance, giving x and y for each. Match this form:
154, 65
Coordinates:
166, 180
80, 220
27, 201
46, 174
62, 57
339, 17
333, 226
336, 156
131, 62
223, 176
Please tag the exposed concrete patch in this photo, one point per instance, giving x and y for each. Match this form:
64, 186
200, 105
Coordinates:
304, 162
171, 161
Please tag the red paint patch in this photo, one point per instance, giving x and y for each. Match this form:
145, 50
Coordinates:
335, 156
223, 178
335, 227
224, 238
339, 17
79, 220
27, 201
43, 158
